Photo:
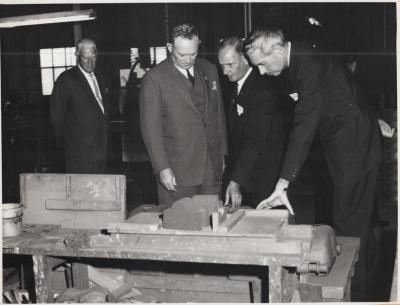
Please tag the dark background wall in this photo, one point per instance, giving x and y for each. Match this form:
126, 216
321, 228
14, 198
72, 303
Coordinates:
367, 30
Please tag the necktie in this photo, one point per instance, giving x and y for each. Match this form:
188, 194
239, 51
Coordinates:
235, 93
190, 76
96, 90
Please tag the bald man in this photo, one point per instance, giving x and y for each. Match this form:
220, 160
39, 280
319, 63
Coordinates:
79, 113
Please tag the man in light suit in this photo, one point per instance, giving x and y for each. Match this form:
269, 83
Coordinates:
330, 105
255, 128
79, 113
182, 120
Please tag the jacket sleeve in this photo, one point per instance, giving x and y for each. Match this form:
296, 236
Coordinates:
259, 123
58, 107
151, 123
309, 84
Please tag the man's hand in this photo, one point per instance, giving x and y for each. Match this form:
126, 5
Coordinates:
278, 197
167, 179
233, 193
386, 130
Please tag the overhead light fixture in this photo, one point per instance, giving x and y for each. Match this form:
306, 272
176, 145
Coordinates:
59, 17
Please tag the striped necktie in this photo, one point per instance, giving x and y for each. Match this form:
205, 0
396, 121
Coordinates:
97, 90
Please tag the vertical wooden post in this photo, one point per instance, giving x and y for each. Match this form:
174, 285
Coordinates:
43, 285
77, 26
281, 284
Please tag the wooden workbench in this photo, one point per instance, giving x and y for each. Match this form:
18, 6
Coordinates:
45, 243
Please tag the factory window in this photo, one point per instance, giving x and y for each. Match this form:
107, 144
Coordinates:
134, 55
157, 55
52, 63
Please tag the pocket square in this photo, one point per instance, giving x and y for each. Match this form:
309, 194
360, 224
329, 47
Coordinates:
294, 96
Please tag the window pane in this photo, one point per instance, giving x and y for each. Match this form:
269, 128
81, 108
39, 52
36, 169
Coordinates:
134, 55
54, 62
152, 55
71, 58
47, 81
57, 72
59, 57
46, 58
161, 54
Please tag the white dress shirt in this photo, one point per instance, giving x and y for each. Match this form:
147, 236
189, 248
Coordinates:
241, 81
183, 71
89, 79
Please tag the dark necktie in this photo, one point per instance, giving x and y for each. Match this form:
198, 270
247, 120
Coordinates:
235, 93
190, 76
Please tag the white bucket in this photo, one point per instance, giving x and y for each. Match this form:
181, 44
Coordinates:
12, 219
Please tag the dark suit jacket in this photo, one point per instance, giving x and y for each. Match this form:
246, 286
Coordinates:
330, 103
77, 118
257, 135
175, 133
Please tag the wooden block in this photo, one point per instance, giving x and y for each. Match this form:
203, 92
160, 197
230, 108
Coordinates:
73, 200
231, 221
128, 227
145, 218
182, 220
217, 218
281, 214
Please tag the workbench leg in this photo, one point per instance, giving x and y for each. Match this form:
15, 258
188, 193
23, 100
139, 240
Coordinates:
80, 277
43, 285
281, 284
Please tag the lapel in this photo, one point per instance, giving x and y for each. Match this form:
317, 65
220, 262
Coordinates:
232, 110
205, 82
86, 87
242, 97
103, 92
182, 84
288, 79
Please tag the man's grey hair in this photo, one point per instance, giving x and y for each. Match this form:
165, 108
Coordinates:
259, 35
232, 41
185, 30
80, 42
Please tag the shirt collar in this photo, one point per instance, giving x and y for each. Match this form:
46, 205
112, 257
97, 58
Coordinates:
289, 49
241, 81
183, 71
84, 72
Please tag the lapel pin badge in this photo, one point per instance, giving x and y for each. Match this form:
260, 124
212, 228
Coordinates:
294, 96
214, 87
239, 110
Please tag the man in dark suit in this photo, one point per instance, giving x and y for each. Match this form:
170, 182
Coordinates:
79, 113
328, 104
255, 128
182, 120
